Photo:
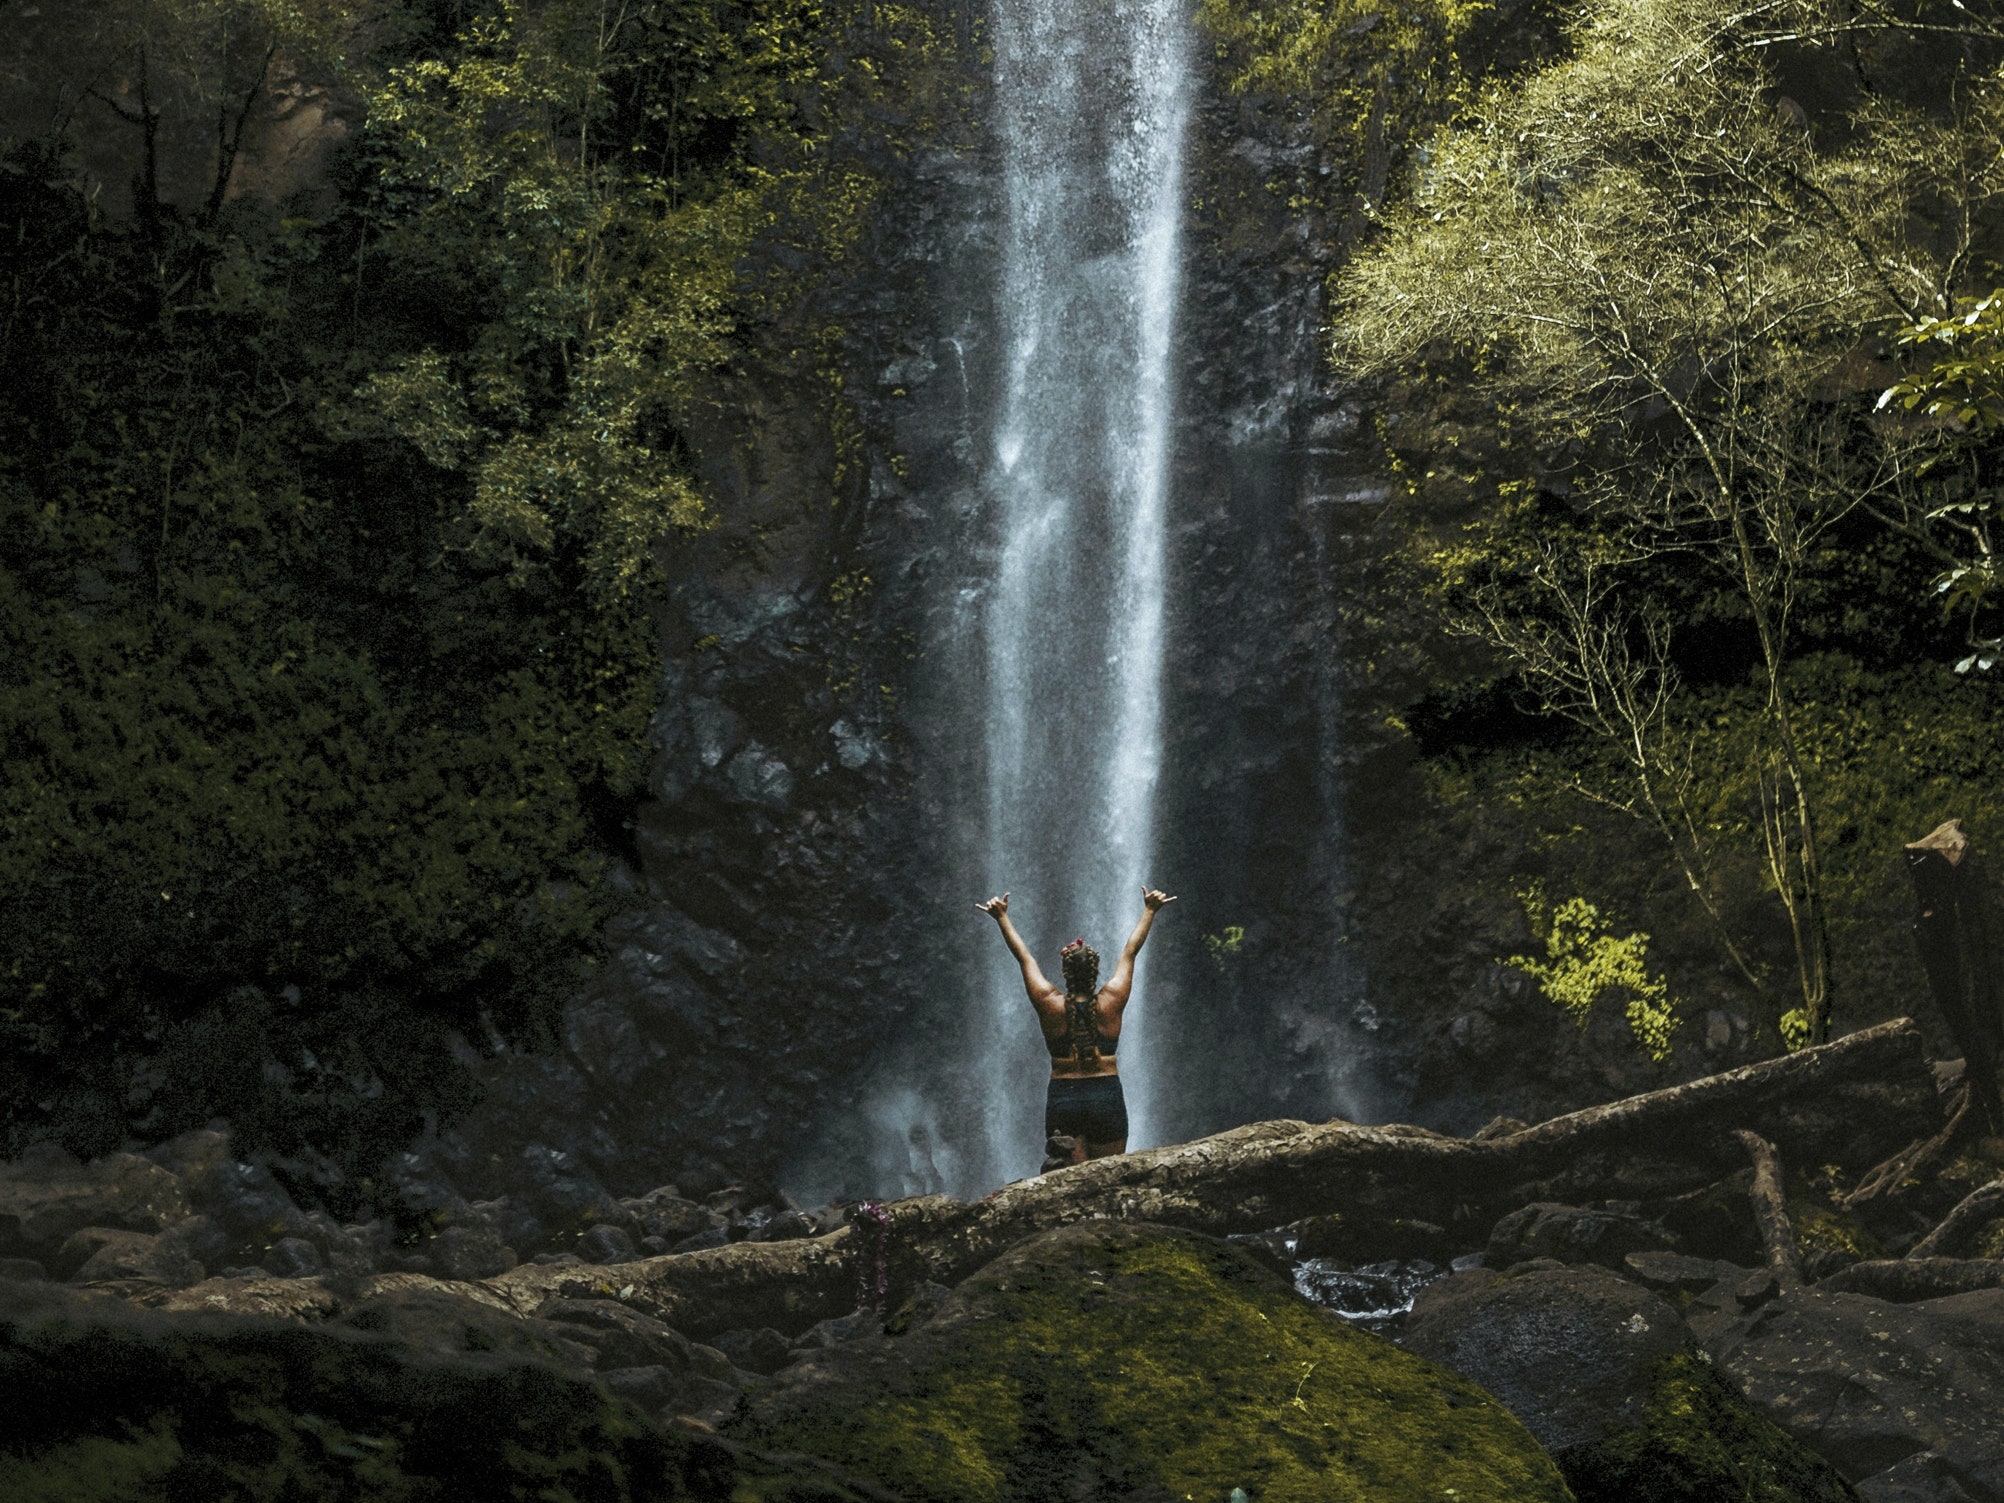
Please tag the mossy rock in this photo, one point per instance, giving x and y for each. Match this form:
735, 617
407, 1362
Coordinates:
1701, 1442
107, 1404
1107, 1361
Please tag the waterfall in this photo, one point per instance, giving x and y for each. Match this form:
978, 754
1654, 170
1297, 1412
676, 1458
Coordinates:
1092, 103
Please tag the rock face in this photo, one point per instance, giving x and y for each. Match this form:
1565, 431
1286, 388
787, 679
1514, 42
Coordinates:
106, 1404
1108, 1361
1898, 1396
1606, 1376
47, 1196
1570, 1351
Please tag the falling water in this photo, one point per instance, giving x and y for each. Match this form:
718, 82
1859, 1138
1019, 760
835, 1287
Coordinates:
1092, 98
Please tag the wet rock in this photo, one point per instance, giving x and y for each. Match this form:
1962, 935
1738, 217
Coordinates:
246, 1201
452, 1320
1668, 1270
294, 1258
424, 1190
514, 1224
1570, 1351
660, 1390
1126, 1322
98, 1254
1715, 1222
621, 1336
607, 1244
668, 1216
1700, 1440
1572, 1234
761, 1351
1866, 1383
715, 1236
472, 1251
1923, 1477
756, 776
202, 1240
44, 1198
22, 1271
248, 1407
1604, 1373
839, 1329
655, 1247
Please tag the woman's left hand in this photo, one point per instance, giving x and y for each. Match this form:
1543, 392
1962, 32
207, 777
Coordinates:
1154, 898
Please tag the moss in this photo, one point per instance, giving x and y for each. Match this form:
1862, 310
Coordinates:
1700, 1443
1820, 1226
1130, 1359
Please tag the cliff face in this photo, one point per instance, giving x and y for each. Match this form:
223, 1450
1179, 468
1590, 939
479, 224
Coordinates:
790, 991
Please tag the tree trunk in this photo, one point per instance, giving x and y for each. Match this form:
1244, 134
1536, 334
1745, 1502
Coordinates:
1770, 1208
1853, 1098
1953, 931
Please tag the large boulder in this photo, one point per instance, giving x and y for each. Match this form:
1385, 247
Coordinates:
1103, 1360
107, 1403
1885, 1391
1572, 1234
1604, 1373
47, 1196
97, 1254
1570, 1351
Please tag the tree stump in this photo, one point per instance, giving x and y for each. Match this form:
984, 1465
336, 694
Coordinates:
1955, 933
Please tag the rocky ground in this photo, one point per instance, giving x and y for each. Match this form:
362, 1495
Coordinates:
1633, 1349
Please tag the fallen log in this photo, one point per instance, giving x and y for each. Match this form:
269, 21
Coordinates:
1973, 1210
1770, 1208
1853, 1096
1904, 1168
1905, 1280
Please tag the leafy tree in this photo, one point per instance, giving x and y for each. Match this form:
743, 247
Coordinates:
1959, 402
327, 544
1648, 271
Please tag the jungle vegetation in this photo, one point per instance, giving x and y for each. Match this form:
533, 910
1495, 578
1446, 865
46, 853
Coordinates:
331, 521
1684, 359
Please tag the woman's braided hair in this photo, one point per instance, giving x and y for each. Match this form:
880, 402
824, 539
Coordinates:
1081, 967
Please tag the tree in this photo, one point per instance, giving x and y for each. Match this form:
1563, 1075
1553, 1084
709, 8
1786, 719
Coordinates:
1657, 276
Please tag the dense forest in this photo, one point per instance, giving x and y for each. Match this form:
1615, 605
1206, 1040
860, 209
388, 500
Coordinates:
334, 518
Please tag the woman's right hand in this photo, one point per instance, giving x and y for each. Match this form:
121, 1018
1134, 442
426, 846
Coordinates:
998, 907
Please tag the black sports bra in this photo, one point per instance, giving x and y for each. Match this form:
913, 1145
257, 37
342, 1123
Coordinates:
1106, 1045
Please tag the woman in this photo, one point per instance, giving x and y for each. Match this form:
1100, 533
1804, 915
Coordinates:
1081, 1027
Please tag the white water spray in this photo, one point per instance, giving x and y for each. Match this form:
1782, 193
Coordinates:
1092, 104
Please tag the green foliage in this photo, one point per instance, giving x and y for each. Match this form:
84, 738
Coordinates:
1159, 1364
1584, 960
1224, 945
1370, 78
1962, 392
1623, 311
337, 537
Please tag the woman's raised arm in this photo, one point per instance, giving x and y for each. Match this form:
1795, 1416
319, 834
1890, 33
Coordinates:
1034, 981
1122, 981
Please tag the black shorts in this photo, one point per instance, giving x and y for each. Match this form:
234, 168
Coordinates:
1090, 1108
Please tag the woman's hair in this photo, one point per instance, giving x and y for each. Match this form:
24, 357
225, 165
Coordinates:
1081, 967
